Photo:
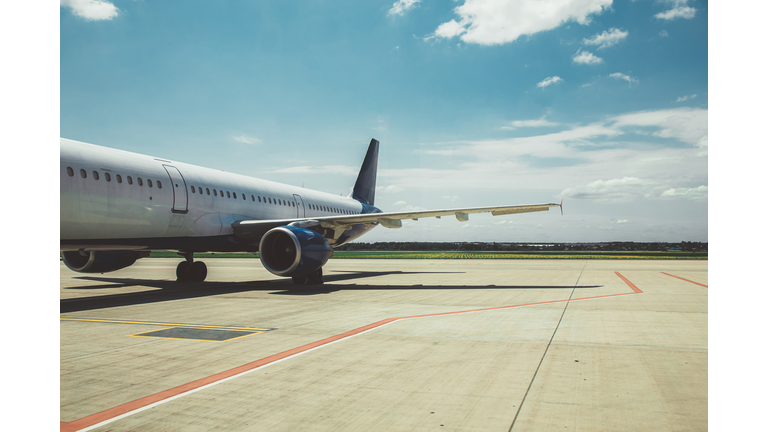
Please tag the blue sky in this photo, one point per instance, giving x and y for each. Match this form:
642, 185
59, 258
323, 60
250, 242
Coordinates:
601, 103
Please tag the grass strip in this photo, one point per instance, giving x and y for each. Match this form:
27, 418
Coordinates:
474, 255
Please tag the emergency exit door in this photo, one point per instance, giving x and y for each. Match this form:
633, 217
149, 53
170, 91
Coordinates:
179, 188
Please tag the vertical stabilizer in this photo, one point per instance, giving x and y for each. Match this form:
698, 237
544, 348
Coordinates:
365, 186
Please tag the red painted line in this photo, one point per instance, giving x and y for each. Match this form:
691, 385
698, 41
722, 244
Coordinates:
126, 408
685, 279
631, 285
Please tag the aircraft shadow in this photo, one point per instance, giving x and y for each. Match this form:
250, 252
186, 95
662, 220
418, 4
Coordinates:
172, 290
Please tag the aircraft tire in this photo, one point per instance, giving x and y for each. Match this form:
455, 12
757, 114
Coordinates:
182, 272
316, 277
198, 271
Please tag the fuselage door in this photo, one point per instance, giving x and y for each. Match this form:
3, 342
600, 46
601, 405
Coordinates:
179, 187
299, 206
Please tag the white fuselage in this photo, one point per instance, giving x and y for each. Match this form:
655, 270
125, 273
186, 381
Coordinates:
135, 201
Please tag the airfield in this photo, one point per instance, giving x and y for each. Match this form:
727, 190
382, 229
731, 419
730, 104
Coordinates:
388, 345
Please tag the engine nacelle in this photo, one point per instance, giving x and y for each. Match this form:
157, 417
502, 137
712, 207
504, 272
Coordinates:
293, 251
100, 261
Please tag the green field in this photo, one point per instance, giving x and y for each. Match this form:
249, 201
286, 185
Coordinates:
474, 255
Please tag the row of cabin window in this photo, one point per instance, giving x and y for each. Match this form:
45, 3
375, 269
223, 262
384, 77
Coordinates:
234, 196
330, 209
265, 200
118, 177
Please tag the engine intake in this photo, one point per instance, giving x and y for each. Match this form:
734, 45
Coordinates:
100, 261
293, 251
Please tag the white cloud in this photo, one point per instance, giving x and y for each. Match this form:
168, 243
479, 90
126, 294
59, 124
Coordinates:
607, 38
689, 125
622, 221
586, 57
447, 30
549, 81
696, 193
326, 169
685, 98
663, 33
627, 78
703, 144
623, 189
389, 189
540, 122
246, 139
92, 10
496, 22
680, 9
401, 6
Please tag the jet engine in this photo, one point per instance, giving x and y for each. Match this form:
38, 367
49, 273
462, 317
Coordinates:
100, 261
293, 251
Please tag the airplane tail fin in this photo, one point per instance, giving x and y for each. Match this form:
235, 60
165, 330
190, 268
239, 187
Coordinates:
365, 186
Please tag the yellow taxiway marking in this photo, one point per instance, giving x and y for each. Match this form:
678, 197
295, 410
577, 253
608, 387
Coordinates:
166, 324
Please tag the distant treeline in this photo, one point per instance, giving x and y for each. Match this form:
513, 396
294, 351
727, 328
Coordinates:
495, 246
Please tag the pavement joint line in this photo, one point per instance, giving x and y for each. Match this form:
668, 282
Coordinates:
110, 415
536, 372
705, 286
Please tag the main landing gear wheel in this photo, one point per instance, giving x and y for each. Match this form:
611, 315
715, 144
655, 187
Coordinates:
314, 278
189, 271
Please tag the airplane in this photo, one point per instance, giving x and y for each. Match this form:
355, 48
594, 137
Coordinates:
117, 206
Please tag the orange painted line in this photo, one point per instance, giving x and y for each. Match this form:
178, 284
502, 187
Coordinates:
126, 408
685, 279
631, 285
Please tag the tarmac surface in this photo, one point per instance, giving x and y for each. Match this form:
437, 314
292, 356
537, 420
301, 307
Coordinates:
388, 345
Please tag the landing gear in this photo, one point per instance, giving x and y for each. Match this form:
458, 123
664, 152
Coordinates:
191, 271
314, 278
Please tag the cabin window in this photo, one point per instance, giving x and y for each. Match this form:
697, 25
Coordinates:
130, 180
83, 174
199, 190
234, 195
138, 179
253, 198
108, 177
207, 191
119, 178
193, 189
149, 182
221, 192
228, 195
70, 171
270, 200
293, 204
244, 196
159, 185
214, 192
95, 175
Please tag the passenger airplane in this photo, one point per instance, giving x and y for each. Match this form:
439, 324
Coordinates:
116, 206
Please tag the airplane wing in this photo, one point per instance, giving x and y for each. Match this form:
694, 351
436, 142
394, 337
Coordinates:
253, 229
